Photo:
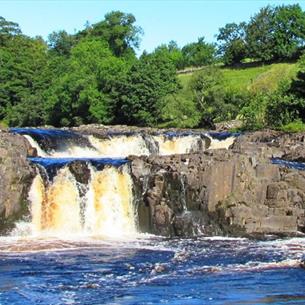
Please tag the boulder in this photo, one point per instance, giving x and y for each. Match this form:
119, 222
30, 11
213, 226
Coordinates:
16, 175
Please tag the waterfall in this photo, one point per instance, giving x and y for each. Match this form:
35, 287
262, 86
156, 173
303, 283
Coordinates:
35, 145
109, 208
179, 144
120, 146
106, 209
221, 144
56, 208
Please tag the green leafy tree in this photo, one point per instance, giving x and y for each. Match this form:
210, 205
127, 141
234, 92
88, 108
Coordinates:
198, 53
8, 30
276, 33
23, 61
206, 86
260, 34
232, 43
61, 42
253, 113
118, 29
288, 31
82, 94
140, 94
173, 52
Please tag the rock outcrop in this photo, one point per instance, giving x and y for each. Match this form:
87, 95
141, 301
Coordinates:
16, 174
237, 192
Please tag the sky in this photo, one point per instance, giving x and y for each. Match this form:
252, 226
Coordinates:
161, 20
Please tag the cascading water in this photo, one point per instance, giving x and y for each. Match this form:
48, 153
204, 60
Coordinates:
120, 146
221, 140
58, 143
106, 209
102, 205
176, 144
109, 209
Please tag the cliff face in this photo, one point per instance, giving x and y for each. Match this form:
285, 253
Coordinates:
16, 175
235, 192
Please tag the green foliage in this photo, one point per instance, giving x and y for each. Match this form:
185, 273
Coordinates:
148, 81
81, 94
173, 52
253, 113
232, 43
118, 30
93, 76
295, 126
198, 53
276, 32
61, 42
23, 63
179, 111
213, 103
259, 35
8, 30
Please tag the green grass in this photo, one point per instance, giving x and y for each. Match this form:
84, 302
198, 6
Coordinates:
254, 79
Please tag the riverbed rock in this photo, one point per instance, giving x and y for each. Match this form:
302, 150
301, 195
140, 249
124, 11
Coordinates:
16, 175
236, 192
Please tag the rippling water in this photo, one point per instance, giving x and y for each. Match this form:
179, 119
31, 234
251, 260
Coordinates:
151, 270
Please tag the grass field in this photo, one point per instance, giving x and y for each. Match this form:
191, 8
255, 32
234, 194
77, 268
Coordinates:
262, 78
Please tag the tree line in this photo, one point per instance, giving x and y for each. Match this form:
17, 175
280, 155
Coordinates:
94, 75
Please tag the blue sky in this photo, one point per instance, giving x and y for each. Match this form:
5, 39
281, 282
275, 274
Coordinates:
162, 20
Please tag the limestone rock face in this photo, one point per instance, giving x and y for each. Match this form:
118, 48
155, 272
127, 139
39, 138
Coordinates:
16, 175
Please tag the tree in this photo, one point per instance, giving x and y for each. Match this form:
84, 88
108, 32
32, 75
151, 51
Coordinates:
61, 42
260, 35
232, 43
173, 52
118, 30
140, 94
276, 33
8, 30
206, 86
289, 31
198, 53
23, 61
82, 94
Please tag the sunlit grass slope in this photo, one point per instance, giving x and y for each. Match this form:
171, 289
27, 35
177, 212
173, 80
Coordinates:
262, 78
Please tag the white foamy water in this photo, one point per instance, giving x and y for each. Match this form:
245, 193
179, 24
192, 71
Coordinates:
120, 146
221, 144
34, 144
58, 209
179, 145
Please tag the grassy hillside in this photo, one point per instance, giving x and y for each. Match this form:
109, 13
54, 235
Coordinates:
262, 78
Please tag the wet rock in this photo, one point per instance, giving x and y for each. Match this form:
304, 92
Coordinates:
236, 192
80, 171
16, 175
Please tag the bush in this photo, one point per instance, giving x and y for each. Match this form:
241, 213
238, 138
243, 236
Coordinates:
254, 112
295, 126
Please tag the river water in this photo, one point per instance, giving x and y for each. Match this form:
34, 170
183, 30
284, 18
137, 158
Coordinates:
151, 270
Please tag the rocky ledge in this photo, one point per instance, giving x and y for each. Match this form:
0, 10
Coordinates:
16, 174
236, 192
